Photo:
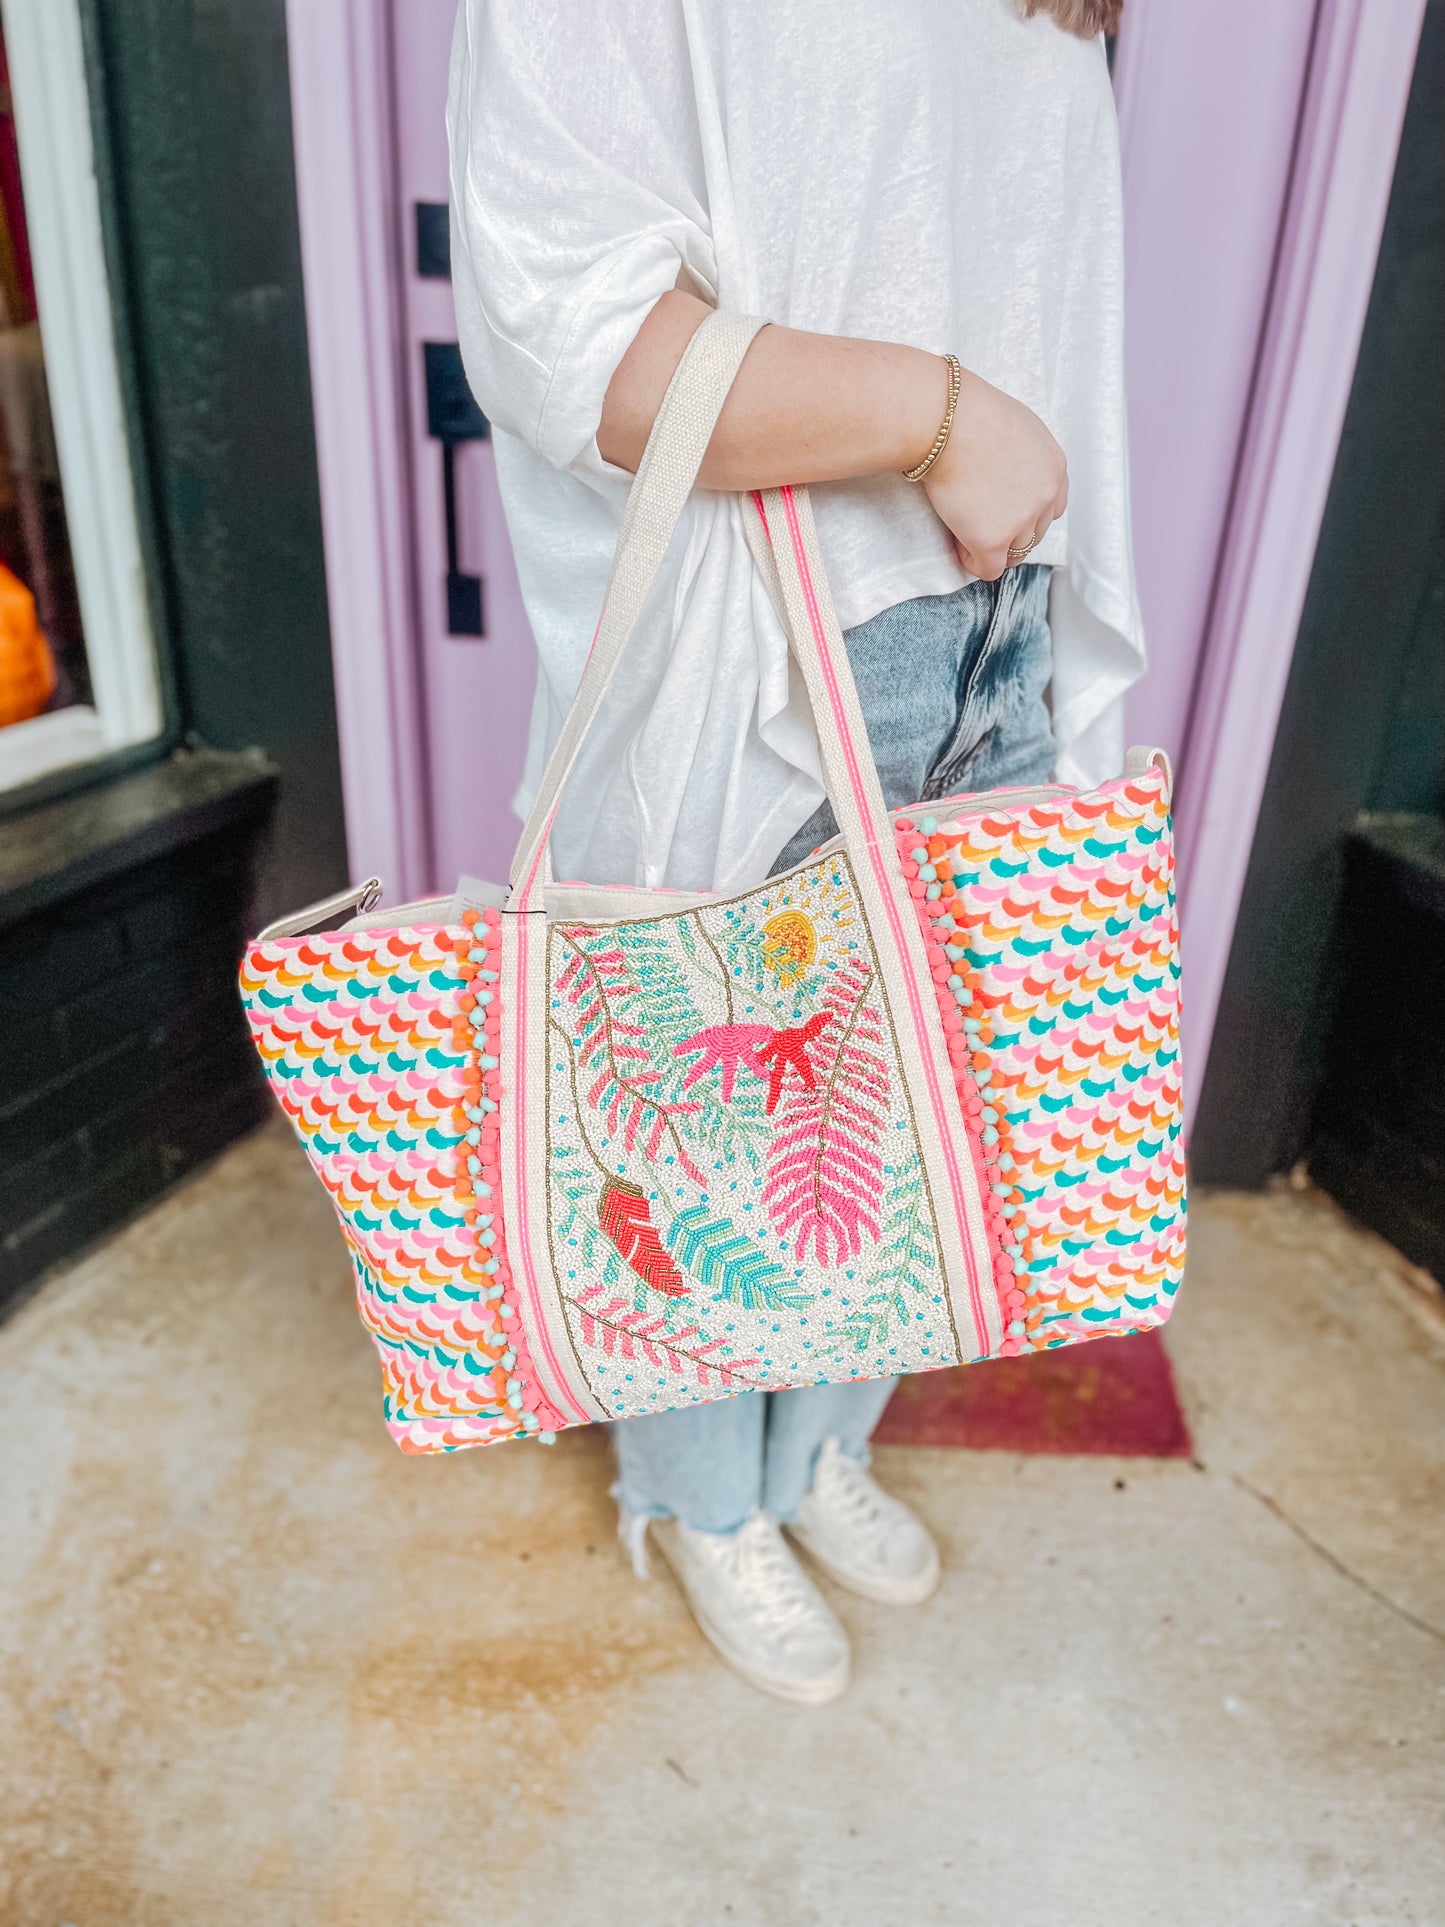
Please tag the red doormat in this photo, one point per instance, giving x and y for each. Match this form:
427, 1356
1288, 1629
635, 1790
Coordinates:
1115, 1396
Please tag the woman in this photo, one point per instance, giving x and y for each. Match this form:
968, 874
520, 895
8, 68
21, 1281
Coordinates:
889, 182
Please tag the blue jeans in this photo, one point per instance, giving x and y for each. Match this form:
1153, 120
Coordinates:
953, 693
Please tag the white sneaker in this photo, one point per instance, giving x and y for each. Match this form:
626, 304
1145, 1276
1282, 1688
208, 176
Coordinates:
759, 1608
867, 1541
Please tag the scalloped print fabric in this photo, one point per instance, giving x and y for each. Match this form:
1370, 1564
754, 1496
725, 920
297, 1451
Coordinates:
1056, 920
737, 1199
375, 1044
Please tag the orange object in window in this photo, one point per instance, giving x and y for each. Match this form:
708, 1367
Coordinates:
27, 668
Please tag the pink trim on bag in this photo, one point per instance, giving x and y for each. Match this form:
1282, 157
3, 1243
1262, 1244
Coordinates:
886, 885
518, 907
1004, 1244
523, 1242
479, 1025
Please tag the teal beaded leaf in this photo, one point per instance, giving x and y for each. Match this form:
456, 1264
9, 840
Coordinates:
728, 1262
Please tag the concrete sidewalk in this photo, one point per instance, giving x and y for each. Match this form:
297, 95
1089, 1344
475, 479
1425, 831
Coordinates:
259, 1668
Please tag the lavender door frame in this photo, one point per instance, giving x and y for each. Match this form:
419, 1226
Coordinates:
1231, 465
1250, 262
344, 141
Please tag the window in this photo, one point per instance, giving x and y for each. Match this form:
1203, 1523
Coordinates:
78, 674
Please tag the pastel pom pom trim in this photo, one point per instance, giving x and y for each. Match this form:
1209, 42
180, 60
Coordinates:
520, 1401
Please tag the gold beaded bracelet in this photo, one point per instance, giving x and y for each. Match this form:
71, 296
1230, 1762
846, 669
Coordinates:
945, 427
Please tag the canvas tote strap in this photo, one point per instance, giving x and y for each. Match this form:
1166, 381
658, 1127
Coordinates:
659, 493
793, 567
784, 544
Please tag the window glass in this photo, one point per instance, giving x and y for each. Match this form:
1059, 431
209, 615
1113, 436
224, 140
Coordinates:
42, 646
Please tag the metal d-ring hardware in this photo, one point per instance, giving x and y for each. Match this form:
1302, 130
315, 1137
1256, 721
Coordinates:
361, 898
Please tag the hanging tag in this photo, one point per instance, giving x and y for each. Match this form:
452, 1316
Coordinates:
472, 894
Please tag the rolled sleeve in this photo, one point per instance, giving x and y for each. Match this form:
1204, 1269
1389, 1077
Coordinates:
576, 204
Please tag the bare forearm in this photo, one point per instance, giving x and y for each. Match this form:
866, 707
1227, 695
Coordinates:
822, 408
805, 408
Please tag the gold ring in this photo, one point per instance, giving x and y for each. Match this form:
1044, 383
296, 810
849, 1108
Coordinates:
1017, 554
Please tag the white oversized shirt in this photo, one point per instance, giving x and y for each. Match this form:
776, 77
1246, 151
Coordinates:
936, 172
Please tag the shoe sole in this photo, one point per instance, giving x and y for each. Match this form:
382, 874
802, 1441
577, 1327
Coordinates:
809, 1693
881, 1591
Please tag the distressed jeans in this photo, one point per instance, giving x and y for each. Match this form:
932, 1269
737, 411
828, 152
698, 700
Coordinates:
953, 692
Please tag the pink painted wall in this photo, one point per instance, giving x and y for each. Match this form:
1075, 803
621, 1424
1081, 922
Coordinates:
345, 190
1361, 63
1208, 100
476, 694
1259, 148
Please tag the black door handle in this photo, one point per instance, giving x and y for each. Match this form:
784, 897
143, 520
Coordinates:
433, 240
453, 417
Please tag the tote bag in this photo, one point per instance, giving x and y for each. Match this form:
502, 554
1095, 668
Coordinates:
598, 1152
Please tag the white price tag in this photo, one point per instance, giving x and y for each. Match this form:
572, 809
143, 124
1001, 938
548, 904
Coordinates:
472, 894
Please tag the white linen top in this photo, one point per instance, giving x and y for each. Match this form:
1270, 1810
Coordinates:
936, 172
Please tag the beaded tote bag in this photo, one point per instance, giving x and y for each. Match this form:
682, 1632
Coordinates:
599, 1152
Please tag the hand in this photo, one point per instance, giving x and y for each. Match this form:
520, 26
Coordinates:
1001, 480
